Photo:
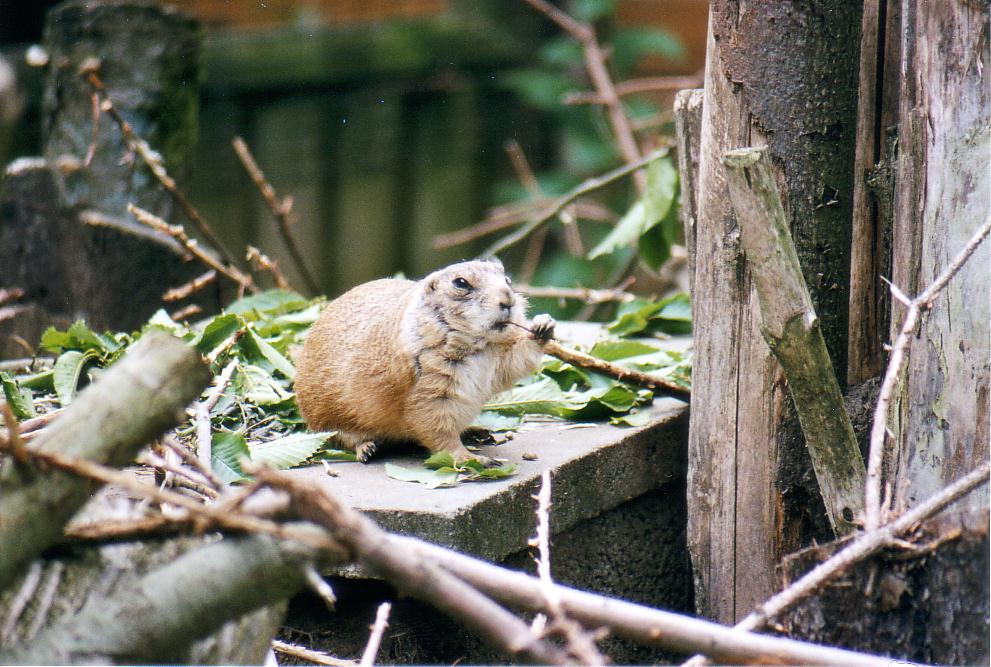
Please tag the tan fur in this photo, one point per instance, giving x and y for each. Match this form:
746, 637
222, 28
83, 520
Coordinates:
400, 360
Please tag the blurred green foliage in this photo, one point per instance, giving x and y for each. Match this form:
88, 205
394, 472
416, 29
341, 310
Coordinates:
586, 146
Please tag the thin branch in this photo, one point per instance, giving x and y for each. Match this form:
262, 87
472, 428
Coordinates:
213, 514
13, 440
588, 295
858, 549
262, 262
414, 576
643, 625
195, 285
634, 86
186, 312
193, 247
316, 657
896, 363
582, 360
194, 479
581, 190
598, 72
281, 209
375, 636
89, 70
580, 643
8, 294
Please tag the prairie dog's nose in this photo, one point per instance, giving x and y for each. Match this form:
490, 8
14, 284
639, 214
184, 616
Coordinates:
506, 300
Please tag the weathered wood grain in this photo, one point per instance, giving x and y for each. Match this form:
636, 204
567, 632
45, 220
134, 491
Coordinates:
870, 249
943, 194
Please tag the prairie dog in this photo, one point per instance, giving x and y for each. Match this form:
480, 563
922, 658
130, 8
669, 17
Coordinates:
403, 360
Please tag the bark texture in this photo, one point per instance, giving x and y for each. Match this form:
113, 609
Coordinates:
943, 194
158, 616
781, 74
150, 64
112, 275
928, 608
133, 402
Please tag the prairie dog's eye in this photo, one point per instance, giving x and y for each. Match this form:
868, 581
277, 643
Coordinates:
461, 283
509, 281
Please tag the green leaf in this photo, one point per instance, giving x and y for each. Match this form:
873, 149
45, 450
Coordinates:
256, 385
493, 421
672, 315
42, 381
78, 337
228, 448
161, 320
432, 479
612, 350
335, 455
637, 418
646, 213
287, 451
626, 232
19, 399
439, 460
592, 10
68, 368
562, 51
216, 331
541, 397
269, 354
271, 302
630, 45
539, 88
500, 472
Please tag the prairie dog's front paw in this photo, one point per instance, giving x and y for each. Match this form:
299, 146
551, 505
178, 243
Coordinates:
542, 327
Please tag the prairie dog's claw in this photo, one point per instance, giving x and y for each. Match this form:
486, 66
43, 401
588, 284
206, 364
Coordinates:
542, 327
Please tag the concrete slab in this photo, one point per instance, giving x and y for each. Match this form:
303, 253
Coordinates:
595, 467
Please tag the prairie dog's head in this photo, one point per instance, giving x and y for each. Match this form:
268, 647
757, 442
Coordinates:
475, 298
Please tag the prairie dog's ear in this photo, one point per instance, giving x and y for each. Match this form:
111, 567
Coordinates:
431, 284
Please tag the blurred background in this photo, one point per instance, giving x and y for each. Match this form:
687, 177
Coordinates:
394, 122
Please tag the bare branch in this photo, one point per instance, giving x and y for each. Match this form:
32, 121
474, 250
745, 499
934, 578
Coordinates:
281, 210
633, 86
598, 72
375, 637
588, 295
415, 576
896, 363
193, 247
196, 284
316, 657
262, 262
89, 70
582, 360
581, 190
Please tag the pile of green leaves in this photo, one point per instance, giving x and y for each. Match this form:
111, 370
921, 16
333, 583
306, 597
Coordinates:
256, 415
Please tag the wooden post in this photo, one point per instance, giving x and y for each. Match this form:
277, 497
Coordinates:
943, 194
790, 326
785, 76
112, 275
688, 124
